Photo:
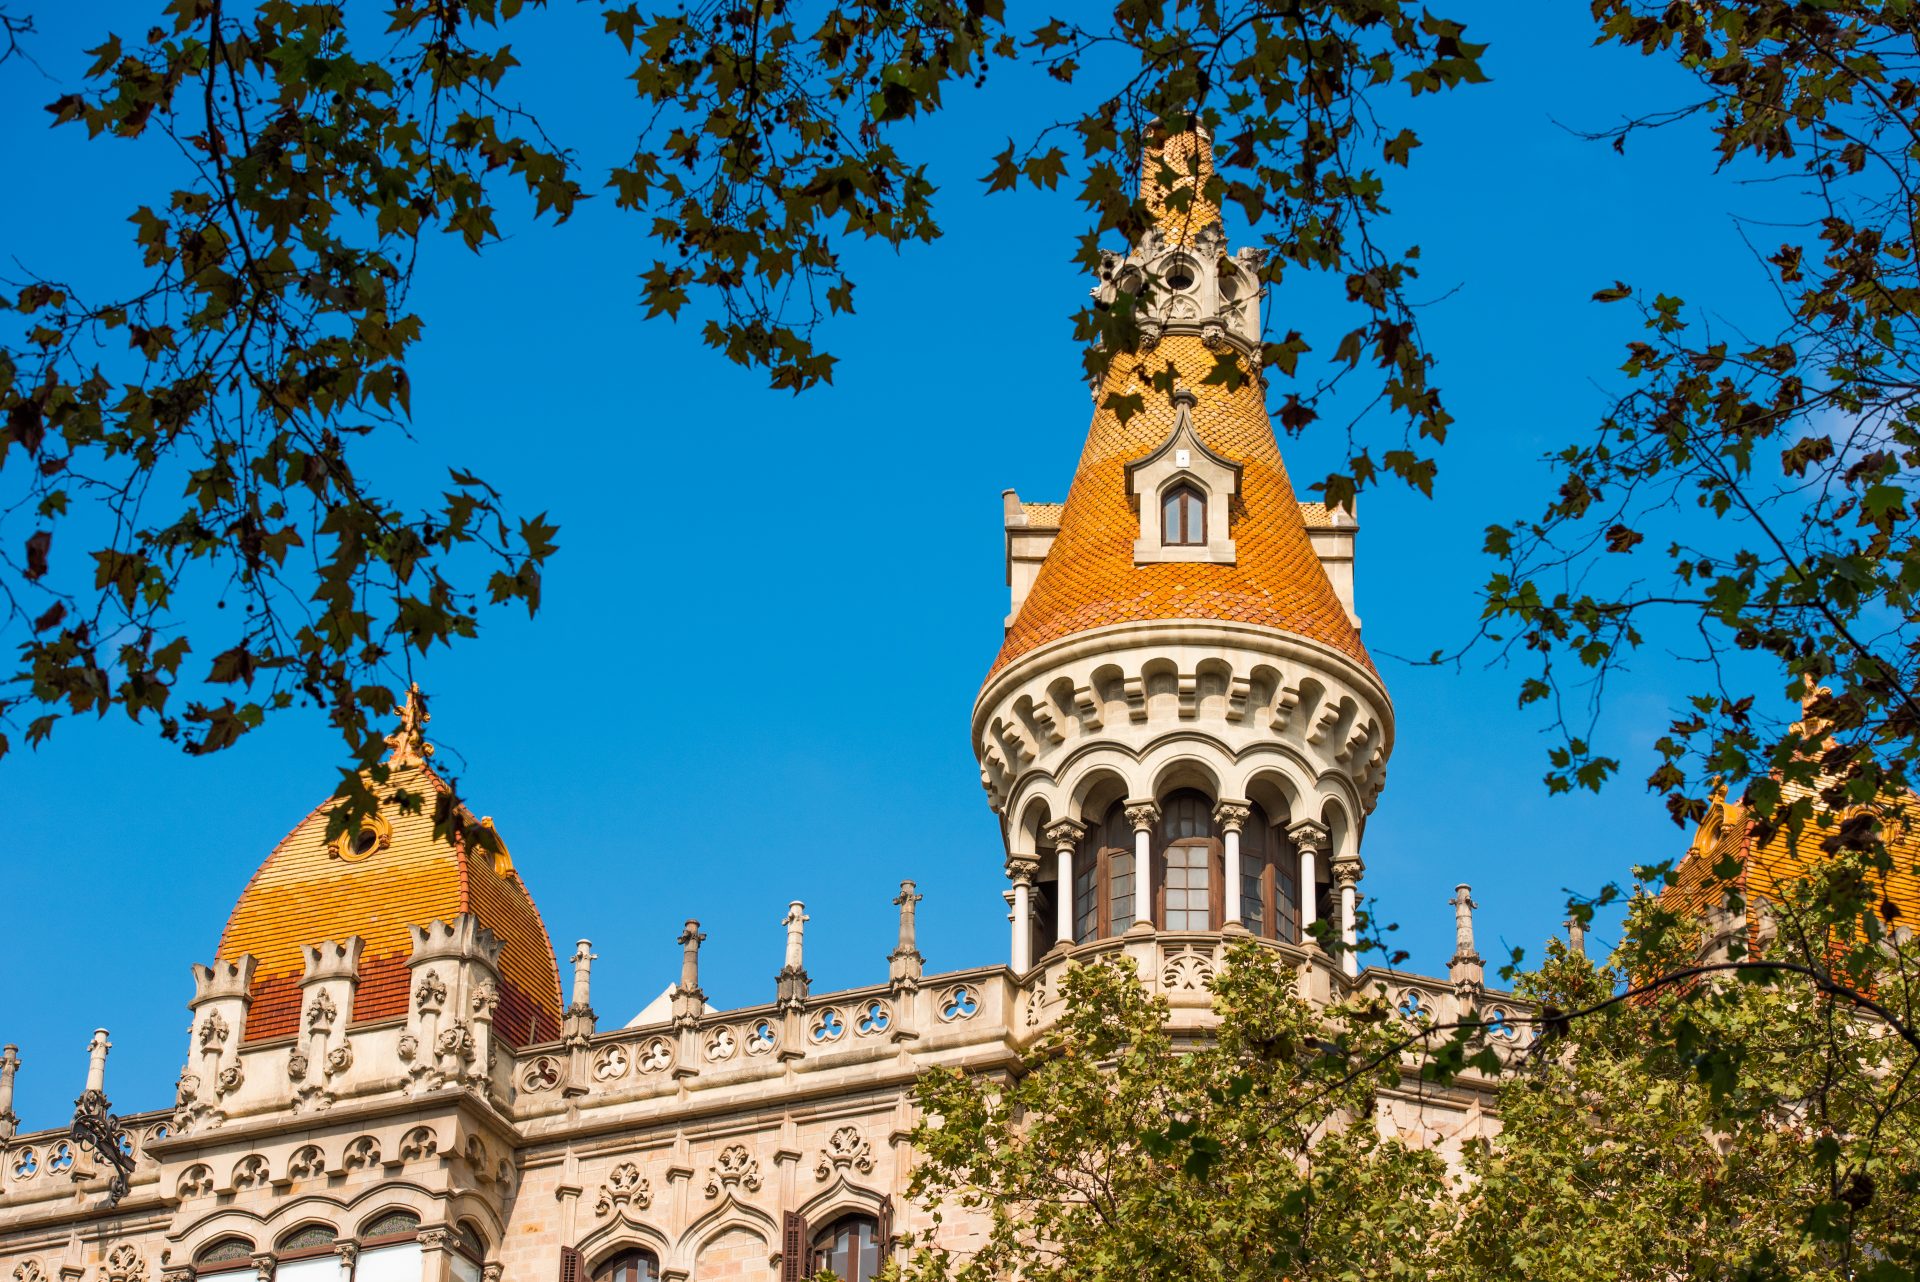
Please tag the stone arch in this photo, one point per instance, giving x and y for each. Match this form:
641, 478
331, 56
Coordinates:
1275, 790
1340, 831
1183, 762
1094, 787
731, 1231
609, 1240
1027, 837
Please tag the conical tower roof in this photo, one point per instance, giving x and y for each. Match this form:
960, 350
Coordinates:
1090, 578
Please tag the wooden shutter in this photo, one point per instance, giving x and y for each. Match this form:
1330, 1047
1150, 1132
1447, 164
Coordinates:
571, 1269
793, 1247
886, 1227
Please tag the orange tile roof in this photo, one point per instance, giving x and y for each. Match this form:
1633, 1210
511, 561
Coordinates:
1042, 516
1766, 868
306, 892
1089, 579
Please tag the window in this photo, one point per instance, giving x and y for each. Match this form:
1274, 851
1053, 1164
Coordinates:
1189, 859
629, 1266
224, 1254
1254, 879
389, 1249
1183, 517
1286, 889
1103, 882
307, 1254
850, 1247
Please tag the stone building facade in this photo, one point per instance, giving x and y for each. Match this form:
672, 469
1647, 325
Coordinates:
1183, 736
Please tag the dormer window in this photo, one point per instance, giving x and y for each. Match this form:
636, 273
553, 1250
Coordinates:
1184, 490
1183, 517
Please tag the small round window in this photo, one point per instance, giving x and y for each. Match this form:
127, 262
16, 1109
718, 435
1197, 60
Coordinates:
366, 837
1180, 275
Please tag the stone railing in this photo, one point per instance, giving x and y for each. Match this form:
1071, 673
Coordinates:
45, 1164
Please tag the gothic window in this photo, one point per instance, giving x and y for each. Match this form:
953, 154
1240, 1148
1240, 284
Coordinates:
1103, 880
389, 1249
1190, 860
850, 1246
630, 1266
224, 1254
1183, 517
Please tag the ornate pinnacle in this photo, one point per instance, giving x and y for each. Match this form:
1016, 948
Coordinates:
408, 745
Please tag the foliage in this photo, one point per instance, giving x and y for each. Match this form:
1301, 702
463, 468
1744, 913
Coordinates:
1121, 1148
270, 330
269, 334
1749, 1129
1769, 463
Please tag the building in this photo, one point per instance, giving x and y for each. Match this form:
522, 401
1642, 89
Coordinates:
1183, 735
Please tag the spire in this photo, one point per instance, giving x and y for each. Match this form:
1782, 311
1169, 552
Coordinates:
408, 744
1173, 175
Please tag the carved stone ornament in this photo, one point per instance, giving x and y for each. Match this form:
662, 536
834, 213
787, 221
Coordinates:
363, 1154
27, 1271
611, 1064
213, 1032
1186, 971
435, 1239
230, 1079
409, 1046
123, 1264
722, 1045
431, 992
340, 1059
734, 1169
543, 1074
456, 1039
186, 1090
483, 1001
656, 1056
1144, 814
307, 1163
297, 1064
492, 1272
321, 1012
418, 1144
845, 1148
250, 1172
195, 1181
762, 1037
625, 1187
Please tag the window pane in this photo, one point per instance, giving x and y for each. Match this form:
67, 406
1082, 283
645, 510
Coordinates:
464, 1270
397, 1263
1120, 889
1188, 871
850, 1248
1086, 895
1170, 513
316, 1268
1253, 909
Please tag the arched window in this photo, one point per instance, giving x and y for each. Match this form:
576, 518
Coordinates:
223, 1254
1103, 880
389, 1249
469, 1255
850, 1246
307, 1254
629, 1266
1188, 863
1183, 516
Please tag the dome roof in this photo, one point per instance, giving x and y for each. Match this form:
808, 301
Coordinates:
396, 874
1089, 578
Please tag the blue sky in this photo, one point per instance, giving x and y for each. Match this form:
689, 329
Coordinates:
756, 692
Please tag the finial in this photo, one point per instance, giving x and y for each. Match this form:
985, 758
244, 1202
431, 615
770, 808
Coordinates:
97, 1060
408, 744
1464, 967
690, 1000
905, 961
1184, 398
9, 1065
583, 959
791, 982
1576, 936
1173, 162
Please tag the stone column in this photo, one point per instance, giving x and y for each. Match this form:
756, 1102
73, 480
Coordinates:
1310, 839
1232, 816
1143, 815
1464, 967
1576, 936
436, 1254
9, 1065
1065, 836
904, 962
1346, 875
689, 1004
348, 1253
1020, 870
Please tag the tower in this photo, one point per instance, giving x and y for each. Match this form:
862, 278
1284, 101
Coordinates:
1182, 730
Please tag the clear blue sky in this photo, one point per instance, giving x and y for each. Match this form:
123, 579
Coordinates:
778, 707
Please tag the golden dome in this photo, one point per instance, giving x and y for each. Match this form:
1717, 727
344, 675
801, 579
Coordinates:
1089, 578
375, 883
